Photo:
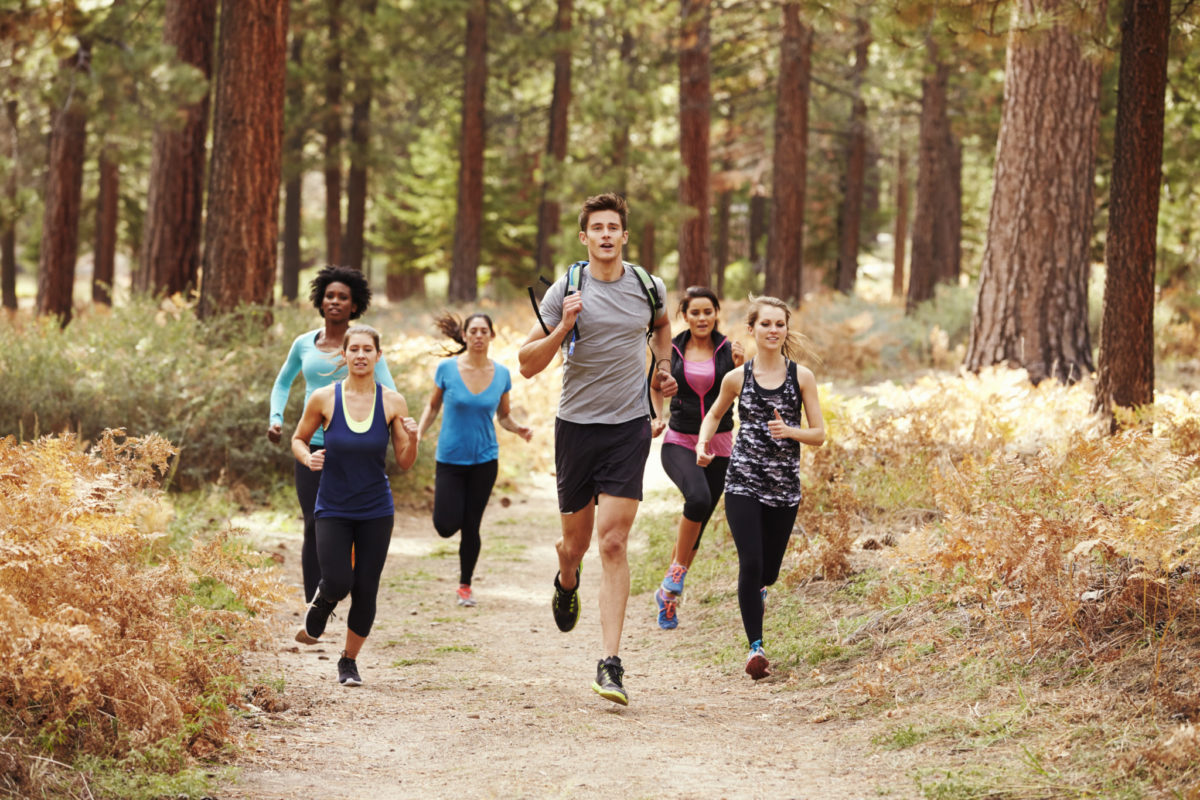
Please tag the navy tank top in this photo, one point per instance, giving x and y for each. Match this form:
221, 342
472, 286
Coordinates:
354, 482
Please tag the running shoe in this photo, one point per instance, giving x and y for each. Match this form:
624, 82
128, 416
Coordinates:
668, 605
609, 673
315, 618
565, 604
756, 663
465, 598
348, 671
673, 581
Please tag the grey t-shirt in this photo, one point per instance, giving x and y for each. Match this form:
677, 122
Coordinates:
604, 380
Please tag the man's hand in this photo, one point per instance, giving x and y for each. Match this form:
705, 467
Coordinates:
572, 305
663, 381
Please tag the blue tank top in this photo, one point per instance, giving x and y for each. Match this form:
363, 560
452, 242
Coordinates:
354, 482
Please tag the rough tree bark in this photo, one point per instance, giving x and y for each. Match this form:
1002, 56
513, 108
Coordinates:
354, 241
695, 103
932, 202
8, 225
293, 169
104, 251
332, 127
1031, 310
64, 184
1127, 334
241, 235
900, 231
757, 225
785, 243
556, 141
468, 226
170, 259
856, 165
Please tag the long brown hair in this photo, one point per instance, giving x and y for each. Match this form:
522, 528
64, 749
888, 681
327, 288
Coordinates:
452, 328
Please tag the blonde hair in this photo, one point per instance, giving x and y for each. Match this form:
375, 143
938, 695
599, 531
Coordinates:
340, 360
796, 346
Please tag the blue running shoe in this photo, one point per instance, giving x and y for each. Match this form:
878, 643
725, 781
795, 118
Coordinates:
668, 607
757, 666
673, 581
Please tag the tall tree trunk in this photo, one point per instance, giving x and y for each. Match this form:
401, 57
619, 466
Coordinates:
932, 202
293, 170
104, 252
724, 209
468, 227
785, 243
900, 231
757, 226
353, 245
556, 142
948, 225
332, 125
1127, 333
623, 128
1032, 305
646, 249
8, 225
64, 184
170, 259
243, 190
856, 165
695, 103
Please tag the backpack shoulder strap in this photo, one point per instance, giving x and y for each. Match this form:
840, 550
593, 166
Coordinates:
651, 291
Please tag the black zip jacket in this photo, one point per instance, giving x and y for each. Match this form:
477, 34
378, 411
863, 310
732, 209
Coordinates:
688, 407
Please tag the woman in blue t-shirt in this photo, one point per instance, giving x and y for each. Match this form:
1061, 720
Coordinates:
340, 295
473, 388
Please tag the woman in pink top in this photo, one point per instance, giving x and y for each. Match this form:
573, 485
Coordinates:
700, 358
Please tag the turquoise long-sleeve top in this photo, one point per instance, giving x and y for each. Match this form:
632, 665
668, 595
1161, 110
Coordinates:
319, 369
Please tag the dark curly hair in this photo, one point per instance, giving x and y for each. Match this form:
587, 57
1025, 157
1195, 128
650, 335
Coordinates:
360, 292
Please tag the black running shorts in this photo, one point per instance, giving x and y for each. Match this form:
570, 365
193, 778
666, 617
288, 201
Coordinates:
592, 459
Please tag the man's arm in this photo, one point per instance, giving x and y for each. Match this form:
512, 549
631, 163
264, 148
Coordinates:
660, 347
538, 350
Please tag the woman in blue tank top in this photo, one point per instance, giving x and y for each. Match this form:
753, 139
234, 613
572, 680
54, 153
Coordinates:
340, 295
762, 485
354, 511
473, 389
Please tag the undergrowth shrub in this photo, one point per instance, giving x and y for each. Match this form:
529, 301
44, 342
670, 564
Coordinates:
109, 644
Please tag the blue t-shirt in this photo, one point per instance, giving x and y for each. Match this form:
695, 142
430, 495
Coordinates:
319, 369
468, 435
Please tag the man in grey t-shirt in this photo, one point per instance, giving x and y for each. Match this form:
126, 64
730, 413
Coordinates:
602, 431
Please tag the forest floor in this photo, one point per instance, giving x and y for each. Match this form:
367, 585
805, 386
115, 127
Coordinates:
494, 701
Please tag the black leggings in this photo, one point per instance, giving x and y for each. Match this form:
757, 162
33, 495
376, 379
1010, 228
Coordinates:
370, 539
460, 496
307, 482
761, 534
701, 486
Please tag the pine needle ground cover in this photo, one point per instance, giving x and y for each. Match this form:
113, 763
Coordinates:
119, 655
1005, 595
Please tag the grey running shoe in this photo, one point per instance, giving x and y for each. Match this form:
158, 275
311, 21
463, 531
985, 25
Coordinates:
609, 673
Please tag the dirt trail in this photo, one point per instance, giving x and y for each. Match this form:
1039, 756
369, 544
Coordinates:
494, 701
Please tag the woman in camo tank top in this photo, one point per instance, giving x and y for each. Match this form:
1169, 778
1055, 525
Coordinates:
762, 488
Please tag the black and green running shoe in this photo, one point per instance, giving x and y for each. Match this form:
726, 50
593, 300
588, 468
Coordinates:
609, 673
565, 604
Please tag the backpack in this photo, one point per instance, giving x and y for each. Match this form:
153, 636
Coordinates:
575, 279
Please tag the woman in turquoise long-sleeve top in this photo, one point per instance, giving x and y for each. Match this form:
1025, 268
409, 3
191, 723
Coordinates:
339, 294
